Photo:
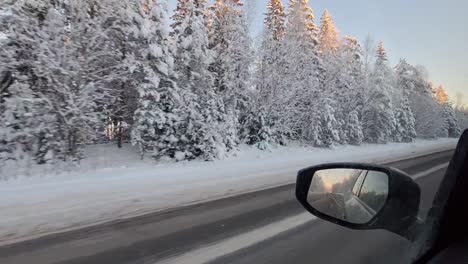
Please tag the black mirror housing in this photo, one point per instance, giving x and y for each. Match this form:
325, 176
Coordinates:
399, 213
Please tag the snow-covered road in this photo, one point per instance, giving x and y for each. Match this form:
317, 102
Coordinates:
111, 185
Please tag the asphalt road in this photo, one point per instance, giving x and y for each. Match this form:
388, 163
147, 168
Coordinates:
183, 235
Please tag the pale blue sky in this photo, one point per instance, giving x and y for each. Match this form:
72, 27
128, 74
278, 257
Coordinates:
432, 33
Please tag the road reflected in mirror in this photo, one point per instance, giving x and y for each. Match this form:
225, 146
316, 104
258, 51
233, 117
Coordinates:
351, 195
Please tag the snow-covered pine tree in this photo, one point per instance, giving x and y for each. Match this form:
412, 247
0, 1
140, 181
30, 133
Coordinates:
230, 42
5, 15
65, 58
159, 114
405, 74
330, 127
354, 129
88, 66
451, 128
381, 53
259, 132
405, 121
192, 60
389, 74
353, 76
28, 129
345, 82
180, 14
120, 103
303, 71
275, 19
270, 88
378, 116
21, 95
271, 54
342, 77
451, 123
332, 83
328, 34
441, 95
301, 21
6, 76
427, 113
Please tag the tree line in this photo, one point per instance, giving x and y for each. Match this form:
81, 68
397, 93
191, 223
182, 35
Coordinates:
199, 87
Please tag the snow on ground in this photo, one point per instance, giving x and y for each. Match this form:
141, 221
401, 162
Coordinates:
113, 184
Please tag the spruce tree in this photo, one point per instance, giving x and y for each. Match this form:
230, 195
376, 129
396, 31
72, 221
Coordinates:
301, 21
405, 122
330, 127
441, 95
270, 88
159, 115
451, 127
29, 129
275, 19
179, 16
352, 76
328, 34
231, 47
406, 129
425, 110
378, 116
65, 57
354, 129
192, 60
344, 82
303, 70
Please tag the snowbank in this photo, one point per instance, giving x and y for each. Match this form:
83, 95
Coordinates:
114, 184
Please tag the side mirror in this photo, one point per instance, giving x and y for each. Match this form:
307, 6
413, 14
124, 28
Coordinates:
360, 196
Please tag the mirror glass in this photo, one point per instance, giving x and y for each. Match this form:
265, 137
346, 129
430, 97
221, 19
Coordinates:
352, 195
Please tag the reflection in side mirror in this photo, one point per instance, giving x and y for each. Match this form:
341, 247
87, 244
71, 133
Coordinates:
351, 195
361, 196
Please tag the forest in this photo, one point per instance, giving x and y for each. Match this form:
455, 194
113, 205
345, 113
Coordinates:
194, 83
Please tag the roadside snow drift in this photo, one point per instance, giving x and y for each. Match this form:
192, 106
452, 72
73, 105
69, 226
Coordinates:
114, 184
